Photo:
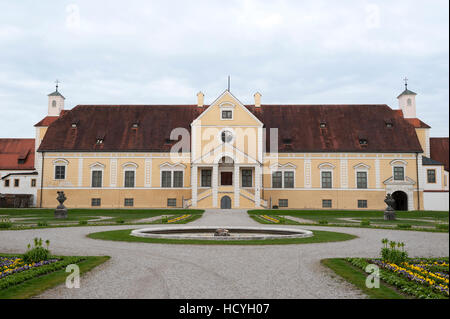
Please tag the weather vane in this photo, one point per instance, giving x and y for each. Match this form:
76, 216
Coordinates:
57, 82
406, 82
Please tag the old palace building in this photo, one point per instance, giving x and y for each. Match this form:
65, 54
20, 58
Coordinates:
230, 155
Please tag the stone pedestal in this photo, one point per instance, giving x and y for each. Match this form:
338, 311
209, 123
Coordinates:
61, 213
389, 215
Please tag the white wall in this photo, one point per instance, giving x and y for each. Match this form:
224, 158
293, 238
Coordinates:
435, 200
24, 184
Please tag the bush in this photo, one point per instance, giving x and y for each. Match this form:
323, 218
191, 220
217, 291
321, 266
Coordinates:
393, 252
323, 222
82, 222
404, 226
37, 253
42, 224
442, 226
120, 221
365, 222
5, 223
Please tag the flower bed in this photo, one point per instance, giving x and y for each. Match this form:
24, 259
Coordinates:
12, 265
173, 220
39, 269
422, 278
270, 219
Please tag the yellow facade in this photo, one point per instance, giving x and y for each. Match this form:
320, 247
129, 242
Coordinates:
244, 151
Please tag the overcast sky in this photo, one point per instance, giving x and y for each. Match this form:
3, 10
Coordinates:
150, 52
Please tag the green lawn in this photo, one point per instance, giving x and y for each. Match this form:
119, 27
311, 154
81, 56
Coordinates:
357, 277
39, 283
319, 237
46, 218
333, 217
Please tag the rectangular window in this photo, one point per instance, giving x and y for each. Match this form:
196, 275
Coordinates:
178, 179
206, 178
276, 180
129, 178
97, 178
361, 179
282, 203
166, 179
96, 201
171, 202
247, 178
362, 203
129, 202
326, 203
327, 181
60, 172
431, 175
399, 173
16, 183
6, 182
33, 182
227, 114
288, 179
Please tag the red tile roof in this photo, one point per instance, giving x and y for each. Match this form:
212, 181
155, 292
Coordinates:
46, 121
346, 125
417, 123
16, 154
439, 150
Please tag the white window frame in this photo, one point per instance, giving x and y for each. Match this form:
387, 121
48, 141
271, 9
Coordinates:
129, 167
226, 106
361, 167
60, 162
399, 163
98, 167
168, 167
288, 167
233, 134
327, 167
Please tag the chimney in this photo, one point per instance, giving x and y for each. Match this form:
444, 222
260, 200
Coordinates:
257, 97
200, 99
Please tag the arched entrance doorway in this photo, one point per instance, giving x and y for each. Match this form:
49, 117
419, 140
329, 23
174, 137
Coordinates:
225, 202
401, 200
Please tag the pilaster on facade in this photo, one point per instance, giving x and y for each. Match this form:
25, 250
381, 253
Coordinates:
113, 175
236, 186
308, 183
38, 167
344, 173
215, 184
427, 142
148, 172
377, 174
80, 172
194, 189
257, 186
421, 172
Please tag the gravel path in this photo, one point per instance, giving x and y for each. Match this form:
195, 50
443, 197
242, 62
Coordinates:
141, 270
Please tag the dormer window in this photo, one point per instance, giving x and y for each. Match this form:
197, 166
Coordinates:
135, 125
287, 140
99, 141
227, 114
363, 141
323, 124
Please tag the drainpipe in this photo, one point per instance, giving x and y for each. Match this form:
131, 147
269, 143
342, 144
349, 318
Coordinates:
417, 176
42, 179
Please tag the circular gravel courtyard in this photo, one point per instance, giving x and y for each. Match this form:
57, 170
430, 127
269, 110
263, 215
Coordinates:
142, 270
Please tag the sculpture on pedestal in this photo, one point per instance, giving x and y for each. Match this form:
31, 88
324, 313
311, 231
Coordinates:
389, 212
61, 210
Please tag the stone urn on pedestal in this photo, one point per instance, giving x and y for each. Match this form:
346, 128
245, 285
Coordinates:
61, 210
389, 212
